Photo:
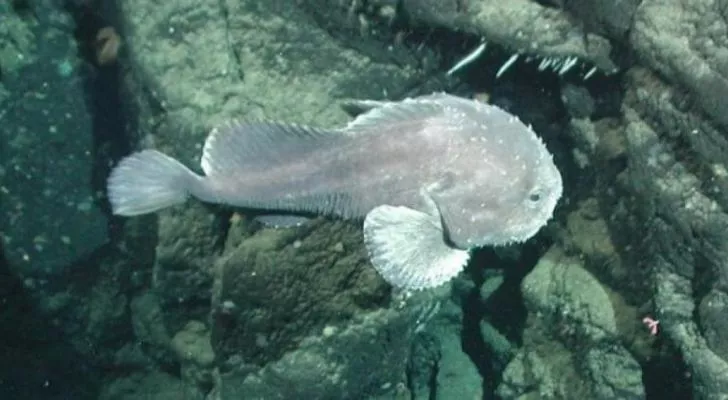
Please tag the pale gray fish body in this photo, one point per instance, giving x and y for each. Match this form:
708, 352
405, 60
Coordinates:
431, 177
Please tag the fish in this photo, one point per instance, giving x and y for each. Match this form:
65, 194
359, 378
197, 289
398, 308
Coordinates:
431, 178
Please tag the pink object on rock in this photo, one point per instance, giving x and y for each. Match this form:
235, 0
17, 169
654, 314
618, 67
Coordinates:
652, 324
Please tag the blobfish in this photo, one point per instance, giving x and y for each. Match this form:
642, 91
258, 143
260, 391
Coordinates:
431, 178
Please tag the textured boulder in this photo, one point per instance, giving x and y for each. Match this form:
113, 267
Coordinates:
237, 308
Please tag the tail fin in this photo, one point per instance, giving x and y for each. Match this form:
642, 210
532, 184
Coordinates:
147, 181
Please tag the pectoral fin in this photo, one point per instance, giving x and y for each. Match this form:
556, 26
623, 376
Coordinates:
408, 248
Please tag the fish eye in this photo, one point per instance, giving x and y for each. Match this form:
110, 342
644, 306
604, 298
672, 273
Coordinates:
534, 197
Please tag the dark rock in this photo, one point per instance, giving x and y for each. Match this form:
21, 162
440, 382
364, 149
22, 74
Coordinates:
52, 214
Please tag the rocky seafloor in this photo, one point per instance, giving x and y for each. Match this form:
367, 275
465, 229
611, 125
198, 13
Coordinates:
622, 296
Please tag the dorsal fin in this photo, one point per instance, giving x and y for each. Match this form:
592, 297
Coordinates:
244, 146
383, 114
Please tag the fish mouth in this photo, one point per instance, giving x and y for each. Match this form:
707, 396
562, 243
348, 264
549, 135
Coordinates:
526, 30
507, 33
547, 62
582, 59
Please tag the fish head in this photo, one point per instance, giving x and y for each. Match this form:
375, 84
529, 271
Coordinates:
488, 175
489, 207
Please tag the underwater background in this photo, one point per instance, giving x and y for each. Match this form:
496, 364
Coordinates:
622, 296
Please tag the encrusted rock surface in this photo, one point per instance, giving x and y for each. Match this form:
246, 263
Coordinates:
232, 307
